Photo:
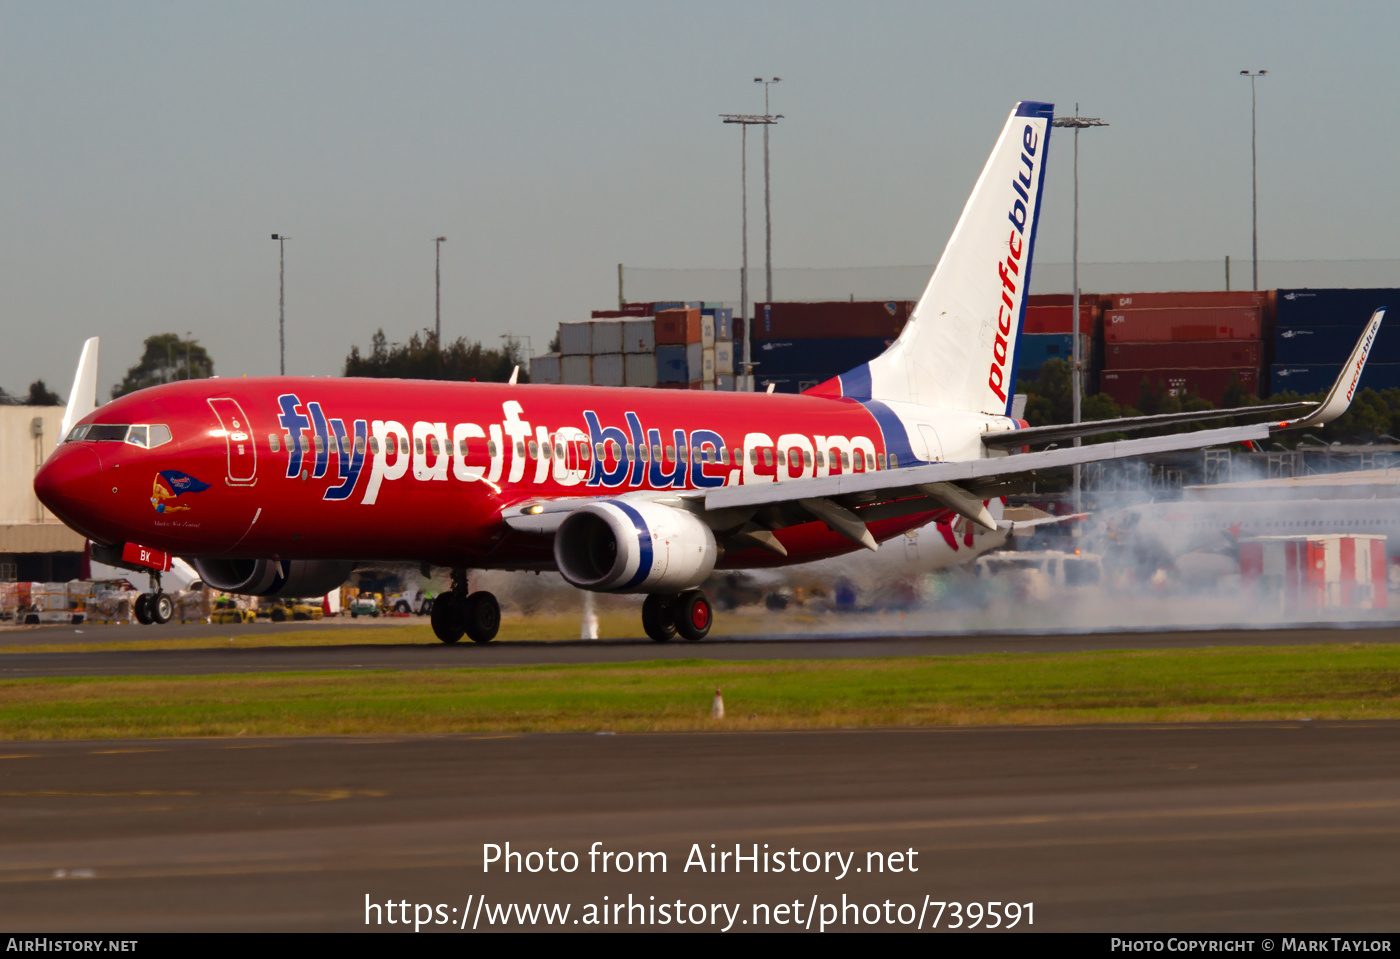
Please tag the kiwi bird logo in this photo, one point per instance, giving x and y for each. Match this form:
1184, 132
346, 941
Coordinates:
170, 485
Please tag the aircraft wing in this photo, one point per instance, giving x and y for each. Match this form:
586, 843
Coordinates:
846, 502
1333, 406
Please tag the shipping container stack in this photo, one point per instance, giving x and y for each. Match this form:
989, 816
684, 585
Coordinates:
671, 345
1315, 331
1048, 333
1188, 344
798, 345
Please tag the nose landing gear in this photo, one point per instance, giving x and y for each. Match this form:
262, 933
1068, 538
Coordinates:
689, 614
155, 606
457, 612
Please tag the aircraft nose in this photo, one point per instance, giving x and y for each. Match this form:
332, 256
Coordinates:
70, 481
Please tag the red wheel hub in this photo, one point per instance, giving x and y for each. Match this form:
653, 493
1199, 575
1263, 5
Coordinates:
700, 614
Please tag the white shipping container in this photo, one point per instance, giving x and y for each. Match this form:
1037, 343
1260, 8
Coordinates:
576, 370
724, 357
694, 362
743, 384
639, 336
545, 369
707, 368
707, 330
607, 369
639, 369
576, 338
607, 337
725, 383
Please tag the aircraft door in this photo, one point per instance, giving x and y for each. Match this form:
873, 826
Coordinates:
238, 435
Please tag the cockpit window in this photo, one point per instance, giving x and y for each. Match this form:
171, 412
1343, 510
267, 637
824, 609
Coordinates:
146, 436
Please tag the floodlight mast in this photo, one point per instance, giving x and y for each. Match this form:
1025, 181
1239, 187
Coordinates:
767, 193
1254, 159
437, 325
281, 301
746, 120
1076, 123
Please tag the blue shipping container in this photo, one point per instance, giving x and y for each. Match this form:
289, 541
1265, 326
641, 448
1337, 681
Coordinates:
671, 365
826, 358
1304, 379
1316, 345
1033, 349
788, 382
1311, 308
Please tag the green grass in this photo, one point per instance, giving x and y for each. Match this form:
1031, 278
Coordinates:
1221, 684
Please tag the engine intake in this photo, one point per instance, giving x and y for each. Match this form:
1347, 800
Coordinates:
266, 577
622, 547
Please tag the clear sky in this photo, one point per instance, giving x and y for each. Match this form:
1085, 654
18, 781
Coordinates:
148, 151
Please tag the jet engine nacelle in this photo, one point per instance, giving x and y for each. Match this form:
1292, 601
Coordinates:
627, 547
267, 577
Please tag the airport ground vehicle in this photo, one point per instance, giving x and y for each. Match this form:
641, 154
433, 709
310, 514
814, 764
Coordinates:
621, 489
1041, 574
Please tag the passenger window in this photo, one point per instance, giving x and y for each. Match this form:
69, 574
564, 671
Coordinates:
894, 461
273, 443
671, 453
374, 445
492, 449
597, 450
359, 445
558, 450
806, 459
418, 445
656, 454
534, 450
317, 444
767, 457
845, 460
821, 458
631, 451
782, 457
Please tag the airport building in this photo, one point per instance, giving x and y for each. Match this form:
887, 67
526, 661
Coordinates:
34, 544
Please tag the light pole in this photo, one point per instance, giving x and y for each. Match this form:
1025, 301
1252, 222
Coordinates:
282, 300
745, 120
767, 193
1076, 123
1254, 159
437, 327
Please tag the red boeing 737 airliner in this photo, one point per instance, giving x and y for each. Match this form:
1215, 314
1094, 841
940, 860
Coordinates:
279, 486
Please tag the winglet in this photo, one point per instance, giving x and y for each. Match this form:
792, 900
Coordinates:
1340, 396
82, 398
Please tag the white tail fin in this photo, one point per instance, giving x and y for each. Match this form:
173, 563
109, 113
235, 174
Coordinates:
958, 350
82, 399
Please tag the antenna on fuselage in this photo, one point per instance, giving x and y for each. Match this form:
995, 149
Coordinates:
514, 374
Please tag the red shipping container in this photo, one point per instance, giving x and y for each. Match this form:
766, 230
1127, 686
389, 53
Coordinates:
1201, 354
1189, 299
1125, 386
1066, 299
608, 314
677, 327
833, 320
637, 309
737, 324
1060, 319
1197, 323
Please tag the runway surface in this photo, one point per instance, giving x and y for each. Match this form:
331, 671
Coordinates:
1241, 827
466, 654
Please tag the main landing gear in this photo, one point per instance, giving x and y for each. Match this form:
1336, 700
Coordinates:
155, 606
456, 612
665, 615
